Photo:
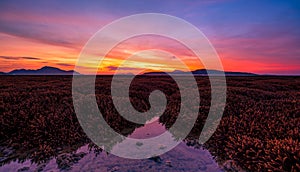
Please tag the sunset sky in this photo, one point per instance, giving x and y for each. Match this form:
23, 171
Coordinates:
251, 36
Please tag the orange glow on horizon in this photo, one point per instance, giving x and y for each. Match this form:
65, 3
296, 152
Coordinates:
27, 54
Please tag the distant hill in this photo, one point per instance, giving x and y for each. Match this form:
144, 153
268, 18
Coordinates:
203, 72
47, 70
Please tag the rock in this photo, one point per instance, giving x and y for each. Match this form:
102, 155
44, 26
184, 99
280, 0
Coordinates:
231, 165
162, 146
23, 169
139, 143
116, 168
169, 163
156, 159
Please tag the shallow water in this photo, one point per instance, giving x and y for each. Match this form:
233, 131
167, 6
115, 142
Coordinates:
181, 158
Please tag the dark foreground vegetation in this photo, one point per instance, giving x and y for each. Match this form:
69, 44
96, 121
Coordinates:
259, 130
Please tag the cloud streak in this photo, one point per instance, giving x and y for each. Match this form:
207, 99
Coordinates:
65, 64
19, 58
114, 68
38, 32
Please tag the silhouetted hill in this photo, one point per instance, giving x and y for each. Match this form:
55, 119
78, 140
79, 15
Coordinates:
204, 72
47, 70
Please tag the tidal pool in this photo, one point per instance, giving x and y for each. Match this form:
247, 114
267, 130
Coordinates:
87, 158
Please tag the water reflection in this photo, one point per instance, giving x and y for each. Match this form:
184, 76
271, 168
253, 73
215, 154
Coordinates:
146, 145
89, 157
151, 129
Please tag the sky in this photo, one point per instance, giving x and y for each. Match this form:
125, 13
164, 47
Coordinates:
255, 36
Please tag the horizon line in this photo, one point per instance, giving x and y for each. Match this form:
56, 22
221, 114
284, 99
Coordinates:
103, 74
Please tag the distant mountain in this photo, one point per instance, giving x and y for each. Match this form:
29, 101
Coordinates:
47, 70
204, 72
